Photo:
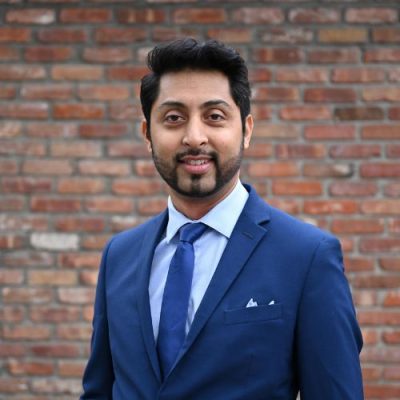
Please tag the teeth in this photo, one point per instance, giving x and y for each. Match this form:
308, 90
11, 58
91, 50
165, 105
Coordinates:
197, 162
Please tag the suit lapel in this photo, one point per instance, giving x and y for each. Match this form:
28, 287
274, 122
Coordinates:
247, 234
150, 241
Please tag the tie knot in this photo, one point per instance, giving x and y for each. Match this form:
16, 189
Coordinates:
191, 232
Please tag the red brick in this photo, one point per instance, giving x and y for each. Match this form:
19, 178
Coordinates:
371, 15
358, 75
12, 203
288, 205
111, 35
80, 186
309, 75
198, 16
380, 170
72, 368
54, 313
10, 276
269, 169
76, 295
108, 168
8, 92
79, 260
382, 245
300, 151
12, 350
126, 73
364, 189
357, 226
151, 206
329, 95
261, 112
103, 92
392, 299
127, 149
259, 150
62, 35
275, 94
394, 113
8, 167
74, 332
391, 337
19, 367
381, 207
393, 151
382, 55
330, 207
77, 72
50, 130
40, 16
52, 204
355, 151
126, 112
392, 374
15, 35
272, 131
359, 113
330, 132
57, 386
328, 170
145, 168
343, 35
277, 34
285, 55
75, 149
314, 15
26, 148
230, 35
392, 189
88, 278
46, 91
28, 259
305, 113
13, 385
26, 295
13, 314
164, 34
103, 130
52, 278
24, 110
47, 54
381, 94
81, 224
120, 223
27, 332
361, 264
136, 187
386, 35
334, 56
85, 15
47, 167
256, 15
10, 129
24, 222
8, 53
371, 337
296, 188
107, 55
143, 16
109, 205
381, 132
78, 111
55, 350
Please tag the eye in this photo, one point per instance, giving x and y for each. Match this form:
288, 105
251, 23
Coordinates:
216, 117
173, 118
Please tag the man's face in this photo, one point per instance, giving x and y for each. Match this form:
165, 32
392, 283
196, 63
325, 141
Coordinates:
196, 136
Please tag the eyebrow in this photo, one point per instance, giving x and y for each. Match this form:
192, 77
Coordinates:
210, 103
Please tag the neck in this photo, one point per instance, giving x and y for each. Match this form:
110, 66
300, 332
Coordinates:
195, 208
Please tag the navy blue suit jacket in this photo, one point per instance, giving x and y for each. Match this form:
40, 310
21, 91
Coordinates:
308, 340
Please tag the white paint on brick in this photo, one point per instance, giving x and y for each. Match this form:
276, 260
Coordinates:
55, 241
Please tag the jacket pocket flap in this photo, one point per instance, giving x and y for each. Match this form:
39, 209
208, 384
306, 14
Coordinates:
253, 314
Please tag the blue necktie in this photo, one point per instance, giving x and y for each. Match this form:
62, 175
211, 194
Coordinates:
175, 303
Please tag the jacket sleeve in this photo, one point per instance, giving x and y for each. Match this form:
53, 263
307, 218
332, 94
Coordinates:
328, 338
98, 377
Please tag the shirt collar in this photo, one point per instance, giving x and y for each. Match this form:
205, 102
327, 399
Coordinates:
222, 217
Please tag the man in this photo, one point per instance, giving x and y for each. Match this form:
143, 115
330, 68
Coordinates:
267, 311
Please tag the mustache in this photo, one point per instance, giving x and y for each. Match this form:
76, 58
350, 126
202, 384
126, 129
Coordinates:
196, 152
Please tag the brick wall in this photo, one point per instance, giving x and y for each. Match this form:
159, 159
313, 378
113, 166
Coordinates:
326, 148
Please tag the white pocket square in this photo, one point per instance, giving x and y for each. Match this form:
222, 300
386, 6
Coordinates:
251, 303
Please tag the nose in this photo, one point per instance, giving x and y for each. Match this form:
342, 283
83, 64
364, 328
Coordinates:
195, 134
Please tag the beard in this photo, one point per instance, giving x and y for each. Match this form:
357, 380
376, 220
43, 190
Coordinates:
196, 186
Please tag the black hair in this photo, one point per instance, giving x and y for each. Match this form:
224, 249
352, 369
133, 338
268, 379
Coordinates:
189, 54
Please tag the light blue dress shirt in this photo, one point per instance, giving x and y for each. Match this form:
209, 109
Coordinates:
208, 250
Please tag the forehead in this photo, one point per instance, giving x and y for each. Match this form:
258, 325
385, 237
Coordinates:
194, 87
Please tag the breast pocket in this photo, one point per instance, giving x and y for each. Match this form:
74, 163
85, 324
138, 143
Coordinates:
253, 314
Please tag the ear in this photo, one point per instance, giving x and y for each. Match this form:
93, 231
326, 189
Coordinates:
146, 135
248, 131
